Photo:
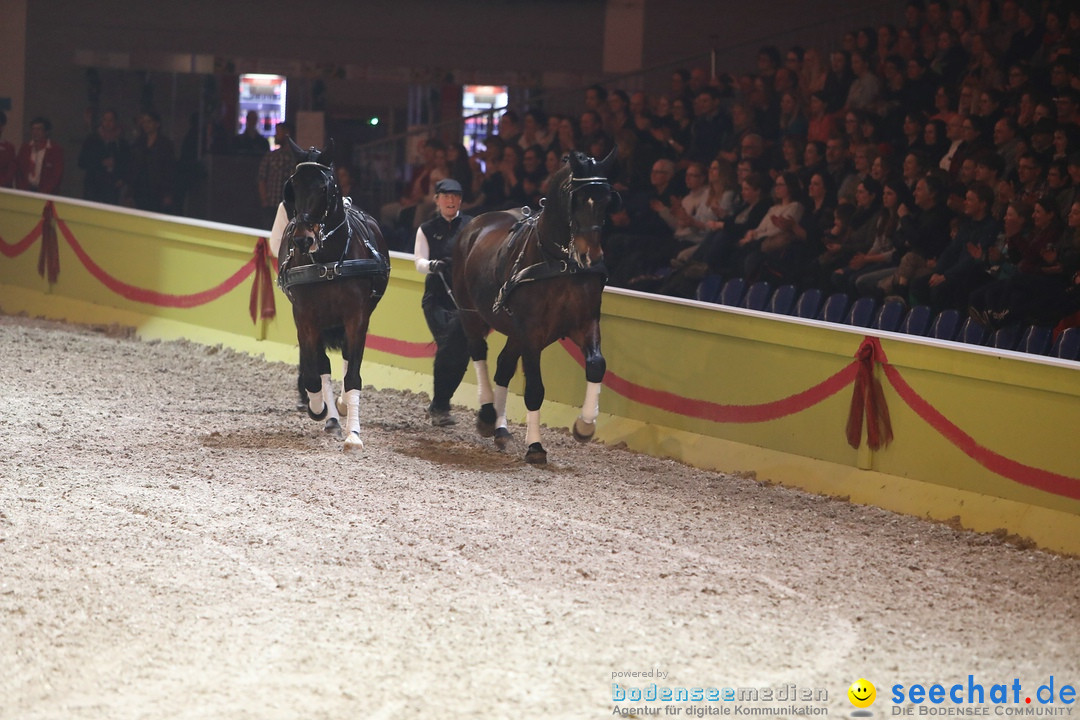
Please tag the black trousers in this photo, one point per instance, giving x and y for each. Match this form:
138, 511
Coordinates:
451, 347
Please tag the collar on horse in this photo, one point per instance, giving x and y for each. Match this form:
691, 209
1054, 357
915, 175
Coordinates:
556, 260
375, 266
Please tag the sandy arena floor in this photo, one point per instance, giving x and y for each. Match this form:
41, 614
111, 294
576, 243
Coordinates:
177, 541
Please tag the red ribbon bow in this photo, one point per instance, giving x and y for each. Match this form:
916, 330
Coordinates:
262, 289
869, 399
49, 256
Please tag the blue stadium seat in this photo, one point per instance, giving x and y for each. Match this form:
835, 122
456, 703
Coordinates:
1067, 346
972, 332
862, 312
1036, 340
708, 290
945, 325
808, 303
732, 294
835, 308
757, 295
1006, 338
889, 316
782, 301
917, 321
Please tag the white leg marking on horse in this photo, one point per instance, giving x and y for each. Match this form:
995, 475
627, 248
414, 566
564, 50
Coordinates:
532, 434
315, 402
352, 421
483, 381
328, 394
500, 405
590, 409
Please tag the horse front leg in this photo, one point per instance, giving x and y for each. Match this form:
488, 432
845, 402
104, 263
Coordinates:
505, 368
355, 339
584, 426
312, 357
534, 398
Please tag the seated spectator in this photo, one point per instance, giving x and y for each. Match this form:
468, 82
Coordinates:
921, 240
641, 237
865, 88
813, 162
567, 139
867, 269
961, 266
789, 264
792, 122
838, 80
1030, 184
711, 125
775, 233
820, 123
534, 129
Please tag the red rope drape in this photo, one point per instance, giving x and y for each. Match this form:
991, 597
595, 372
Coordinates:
49, 256
262, 289
868, 399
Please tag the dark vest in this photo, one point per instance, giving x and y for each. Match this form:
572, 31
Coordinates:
441, 235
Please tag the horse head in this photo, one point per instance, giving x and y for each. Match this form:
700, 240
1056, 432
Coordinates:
312, 200
588, 197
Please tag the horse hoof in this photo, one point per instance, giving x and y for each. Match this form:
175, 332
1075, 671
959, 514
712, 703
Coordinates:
301, 403
502, 438
536, 454
319, 416
333, 427
583, 431
353, 443
342, 408
485, 420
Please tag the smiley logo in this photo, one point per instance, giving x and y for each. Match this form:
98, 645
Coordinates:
862, 693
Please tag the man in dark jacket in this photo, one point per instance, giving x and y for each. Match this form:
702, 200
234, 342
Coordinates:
434, 248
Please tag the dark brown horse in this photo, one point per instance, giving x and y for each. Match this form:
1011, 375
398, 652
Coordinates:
536, 279
334, 267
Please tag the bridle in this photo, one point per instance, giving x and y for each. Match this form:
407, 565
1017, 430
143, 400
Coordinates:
333, 199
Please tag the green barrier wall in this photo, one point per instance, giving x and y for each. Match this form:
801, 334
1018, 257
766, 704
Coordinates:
980, 436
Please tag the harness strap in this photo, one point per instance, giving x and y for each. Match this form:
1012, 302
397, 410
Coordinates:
319, 272
546, 268
375, 266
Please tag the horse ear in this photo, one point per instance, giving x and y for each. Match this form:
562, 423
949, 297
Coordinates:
577, 167
297, 150
328, 152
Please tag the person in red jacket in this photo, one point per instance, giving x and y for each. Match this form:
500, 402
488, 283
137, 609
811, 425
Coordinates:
7, 156
40, 165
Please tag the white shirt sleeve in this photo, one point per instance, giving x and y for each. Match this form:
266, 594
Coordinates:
421, 251
280, 221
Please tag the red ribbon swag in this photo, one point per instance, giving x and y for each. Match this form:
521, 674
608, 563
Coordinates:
49, 256
261, 302
262, 290
869, 399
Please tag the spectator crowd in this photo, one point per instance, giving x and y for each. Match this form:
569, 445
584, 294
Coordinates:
937, 163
